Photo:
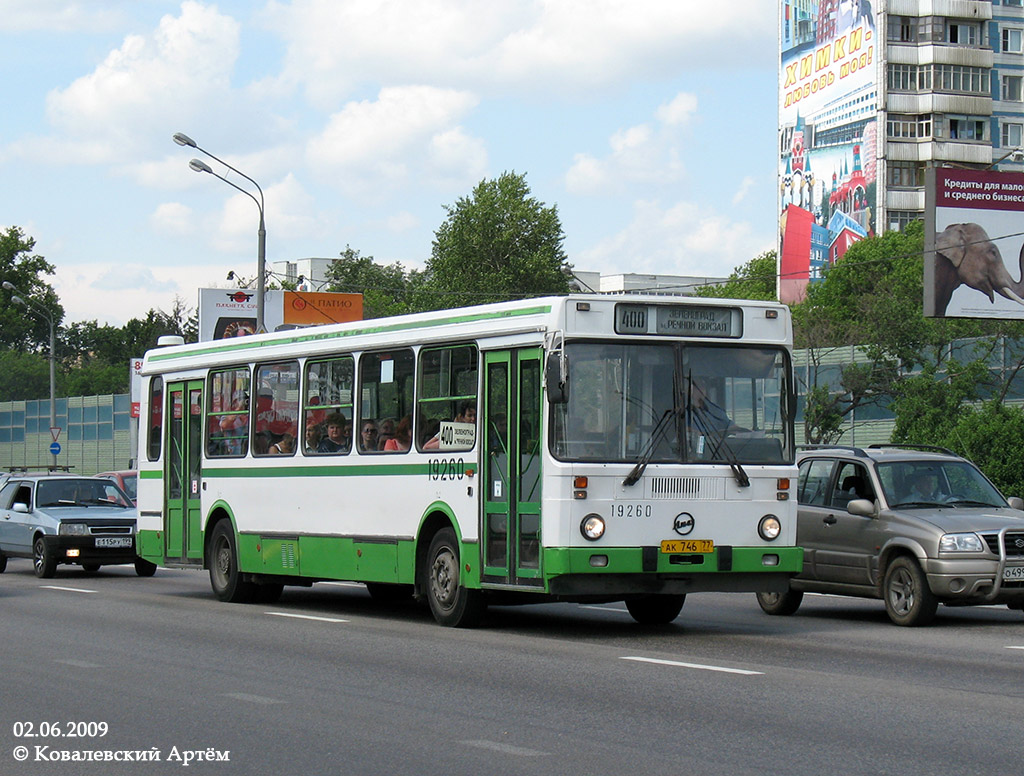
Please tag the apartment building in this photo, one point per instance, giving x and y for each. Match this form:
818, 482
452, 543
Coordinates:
871, 94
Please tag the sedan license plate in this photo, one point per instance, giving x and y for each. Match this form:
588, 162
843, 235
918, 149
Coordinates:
1013, 572
688, 545
114, 541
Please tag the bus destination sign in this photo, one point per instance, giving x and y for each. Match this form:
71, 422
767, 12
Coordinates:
679, 320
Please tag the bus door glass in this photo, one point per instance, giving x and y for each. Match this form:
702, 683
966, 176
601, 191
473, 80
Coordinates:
512, 520
183, 474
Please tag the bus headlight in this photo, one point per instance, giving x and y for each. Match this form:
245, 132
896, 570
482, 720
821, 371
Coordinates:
769, 528
592, 527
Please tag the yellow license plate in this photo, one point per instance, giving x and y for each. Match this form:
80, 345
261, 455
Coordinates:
688, 545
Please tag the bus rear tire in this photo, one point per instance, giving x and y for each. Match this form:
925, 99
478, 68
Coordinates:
225, 578
451, 603
144, 568
655, 609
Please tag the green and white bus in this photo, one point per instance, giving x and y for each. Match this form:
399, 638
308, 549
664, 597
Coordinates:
585, 448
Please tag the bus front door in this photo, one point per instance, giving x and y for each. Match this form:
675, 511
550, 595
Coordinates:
511, 530
183, 472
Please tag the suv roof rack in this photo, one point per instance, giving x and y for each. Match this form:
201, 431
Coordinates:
850, 448
926, 448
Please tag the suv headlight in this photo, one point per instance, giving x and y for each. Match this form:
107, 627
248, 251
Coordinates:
961, 542
74, 529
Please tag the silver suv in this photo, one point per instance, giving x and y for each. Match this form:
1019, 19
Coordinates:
914, 526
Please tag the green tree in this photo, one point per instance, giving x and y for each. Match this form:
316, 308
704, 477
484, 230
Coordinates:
21, 329
499, 243
992, 436
387, 290
754, 280
23, 376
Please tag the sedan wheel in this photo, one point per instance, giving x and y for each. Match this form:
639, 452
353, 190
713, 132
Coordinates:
43, 561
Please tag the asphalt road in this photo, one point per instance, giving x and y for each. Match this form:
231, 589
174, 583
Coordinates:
328, 682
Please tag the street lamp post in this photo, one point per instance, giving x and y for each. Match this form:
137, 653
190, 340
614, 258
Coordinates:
261, 254
19, 300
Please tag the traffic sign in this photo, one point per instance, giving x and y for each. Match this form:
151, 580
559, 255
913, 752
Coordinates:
55, 432
55, 448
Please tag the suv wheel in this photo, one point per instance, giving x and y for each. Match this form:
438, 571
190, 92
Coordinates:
908, 599
780, 603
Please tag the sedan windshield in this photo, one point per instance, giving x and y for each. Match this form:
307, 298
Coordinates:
671, 402
67, 492
921, 484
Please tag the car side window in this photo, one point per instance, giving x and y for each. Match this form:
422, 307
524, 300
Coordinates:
852, 482
7, 495
813, 483
23, 495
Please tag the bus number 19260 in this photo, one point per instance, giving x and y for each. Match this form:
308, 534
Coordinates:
446, 469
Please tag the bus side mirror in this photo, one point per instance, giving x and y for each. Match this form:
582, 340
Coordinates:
557, 383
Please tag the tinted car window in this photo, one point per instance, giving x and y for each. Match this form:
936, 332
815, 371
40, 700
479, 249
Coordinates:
814, 479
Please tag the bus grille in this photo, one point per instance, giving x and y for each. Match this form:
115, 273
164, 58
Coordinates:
700, 488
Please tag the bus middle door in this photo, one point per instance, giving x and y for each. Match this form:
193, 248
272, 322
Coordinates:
511, 530
183, 473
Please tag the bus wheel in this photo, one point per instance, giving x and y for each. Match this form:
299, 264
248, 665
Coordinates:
225, 577
450, 603
655, 609
90, 568
780, 603
144, 568
3, 563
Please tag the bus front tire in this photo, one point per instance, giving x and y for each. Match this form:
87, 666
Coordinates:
225, 578
144, 568
780, 603
451, 603
655, 609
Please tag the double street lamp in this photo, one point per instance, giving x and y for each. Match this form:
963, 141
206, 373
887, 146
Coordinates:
29, 304
261, 258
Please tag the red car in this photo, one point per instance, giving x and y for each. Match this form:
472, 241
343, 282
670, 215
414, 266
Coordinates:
127, 480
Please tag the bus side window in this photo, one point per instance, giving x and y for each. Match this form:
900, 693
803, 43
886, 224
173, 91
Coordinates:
446, 400
327, 393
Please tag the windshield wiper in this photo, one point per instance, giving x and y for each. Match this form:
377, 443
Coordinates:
648, 452
915, 504
719, 445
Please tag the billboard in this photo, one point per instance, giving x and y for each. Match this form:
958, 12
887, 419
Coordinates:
231, 312
972, 233
828, 135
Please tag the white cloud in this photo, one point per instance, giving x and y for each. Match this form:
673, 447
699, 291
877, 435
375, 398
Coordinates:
59, 15
640, 154
370, 144
524, 45
151, 82
741, 193
173, 219
401, 222
682, 239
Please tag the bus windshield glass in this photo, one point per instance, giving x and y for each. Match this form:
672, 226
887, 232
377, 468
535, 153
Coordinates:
674, 403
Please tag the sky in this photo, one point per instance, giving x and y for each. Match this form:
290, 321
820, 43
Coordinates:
649, 124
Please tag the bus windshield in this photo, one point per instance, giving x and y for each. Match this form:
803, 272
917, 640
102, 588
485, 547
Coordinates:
674, 402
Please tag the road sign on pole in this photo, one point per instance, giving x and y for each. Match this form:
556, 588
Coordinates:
55, 448
55, 432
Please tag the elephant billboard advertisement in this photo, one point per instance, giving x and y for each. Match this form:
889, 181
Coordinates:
974, 244
828, 135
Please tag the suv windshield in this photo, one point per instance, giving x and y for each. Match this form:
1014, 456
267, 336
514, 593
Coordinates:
670, 402
66, 492
910, 484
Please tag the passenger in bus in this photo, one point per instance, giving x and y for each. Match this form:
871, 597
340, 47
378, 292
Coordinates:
403, 437
284, 446
706, 417
466, 414
335, 441
387, 432
368, 437
312, 437
235, 427
260, 443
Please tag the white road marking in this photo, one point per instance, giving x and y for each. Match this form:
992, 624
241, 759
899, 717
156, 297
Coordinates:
1015, 647
68, 589
720, 669
244, 696
343, 584
497, 746
606, 608
305, 617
